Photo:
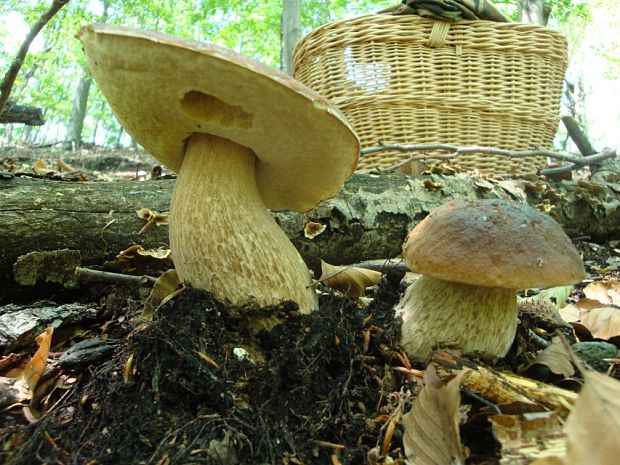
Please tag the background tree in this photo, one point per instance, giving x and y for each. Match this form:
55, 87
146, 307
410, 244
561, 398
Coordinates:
53, 69
290, 32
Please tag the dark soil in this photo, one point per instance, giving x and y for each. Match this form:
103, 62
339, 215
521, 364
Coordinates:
306, 390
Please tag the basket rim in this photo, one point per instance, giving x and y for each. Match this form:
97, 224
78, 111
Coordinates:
396, 20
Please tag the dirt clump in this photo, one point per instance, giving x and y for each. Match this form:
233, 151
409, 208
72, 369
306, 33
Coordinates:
196, 385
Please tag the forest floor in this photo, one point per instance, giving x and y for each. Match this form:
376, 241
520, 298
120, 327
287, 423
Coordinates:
193, 383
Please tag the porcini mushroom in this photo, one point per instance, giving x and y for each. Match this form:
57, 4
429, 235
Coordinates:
473, 257
243, 137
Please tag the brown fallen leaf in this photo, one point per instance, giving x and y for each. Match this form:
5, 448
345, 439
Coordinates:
603, 322
40, 167
36, 366
431, 428
26, 377
593, 427
606, 292
555, 357
165, 285
350, 280
64, 167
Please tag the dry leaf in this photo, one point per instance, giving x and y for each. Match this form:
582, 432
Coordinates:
350, 280
431, 428
165, 285
593, 427
313, 229
31, 373
64, 167
529, 436
555, 358
603, 323
40, 167
570, 313
606, 292
548, 461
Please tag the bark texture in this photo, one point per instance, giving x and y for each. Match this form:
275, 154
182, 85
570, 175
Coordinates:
290, 33
78, 113
368, 219
13, 113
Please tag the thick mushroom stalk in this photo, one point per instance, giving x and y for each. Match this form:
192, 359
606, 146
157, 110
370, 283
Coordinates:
222, 236
472, 319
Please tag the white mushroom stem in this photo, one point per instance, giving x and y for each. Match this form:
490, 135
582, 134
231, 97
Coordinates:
462, 317
222, 236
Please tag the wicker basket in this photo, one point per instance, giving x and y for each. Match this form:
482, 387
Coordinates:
406, 79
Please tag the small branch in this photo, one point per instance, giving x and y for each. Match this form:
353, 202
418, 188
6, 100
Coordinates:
578, 136
11, 74
87, 274
574, 161
382, 265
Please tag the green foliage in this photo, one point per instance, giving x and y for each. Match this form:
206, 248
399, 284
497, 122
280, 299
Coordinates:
53, 67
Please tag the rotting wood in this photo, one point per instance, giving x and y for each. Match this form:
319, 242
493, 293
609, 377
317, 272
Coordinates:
13, 113
367, 220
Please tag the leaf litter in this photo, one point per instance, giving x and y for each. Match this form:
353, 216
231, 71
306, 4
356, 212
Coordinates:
330, 387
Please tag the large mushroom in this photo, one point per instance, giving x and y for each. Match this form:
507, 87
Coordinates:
243, 137
473, 256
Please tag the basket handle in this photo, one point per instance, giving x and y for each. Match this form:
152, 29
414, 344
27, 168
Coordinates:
439, 32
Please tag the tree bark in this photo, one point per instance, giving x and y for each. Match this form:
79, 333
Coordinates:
13, 113
578, 136
368, 219
290, 33
73, 139
9, 78
535, 12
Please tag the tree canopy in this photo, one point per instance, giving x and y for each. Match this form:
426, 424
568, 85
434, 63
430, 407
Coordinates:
55, 64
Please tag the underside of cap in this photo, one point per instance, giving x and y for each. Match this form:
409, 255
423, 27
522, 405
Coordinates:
493, 243
163, 89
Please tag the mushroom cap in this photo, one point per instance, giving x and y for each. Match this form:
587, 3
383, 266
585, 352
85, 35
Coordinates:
493, 243
163, 89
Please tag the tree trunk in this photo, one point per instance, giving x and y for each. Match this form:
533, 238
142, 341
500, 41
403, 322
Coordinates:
290, 33
27, 135
368, 219
535, 11
73, 139
119, 136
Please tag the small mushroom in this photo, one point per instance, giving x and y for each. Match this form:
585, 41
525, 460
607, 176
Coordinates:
243, 137
473, 256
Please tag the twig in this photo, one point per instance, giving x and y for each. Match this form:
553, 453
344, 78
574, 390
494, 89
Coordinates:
87, 274
382, 265
578, 136
574, 161
11, 74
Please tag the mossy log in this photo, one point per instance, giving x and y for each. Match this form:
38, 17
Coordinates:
367, 220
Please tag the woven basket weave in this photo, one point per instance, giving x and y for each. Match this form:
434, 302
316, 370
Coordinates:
406, 79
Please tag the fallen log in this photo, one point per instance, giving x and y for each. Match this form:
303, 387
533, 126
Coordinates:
13, 113
367, 220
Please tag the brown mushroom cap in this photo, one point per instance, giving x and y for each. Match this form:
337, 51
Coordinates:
493, 243
164, 89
